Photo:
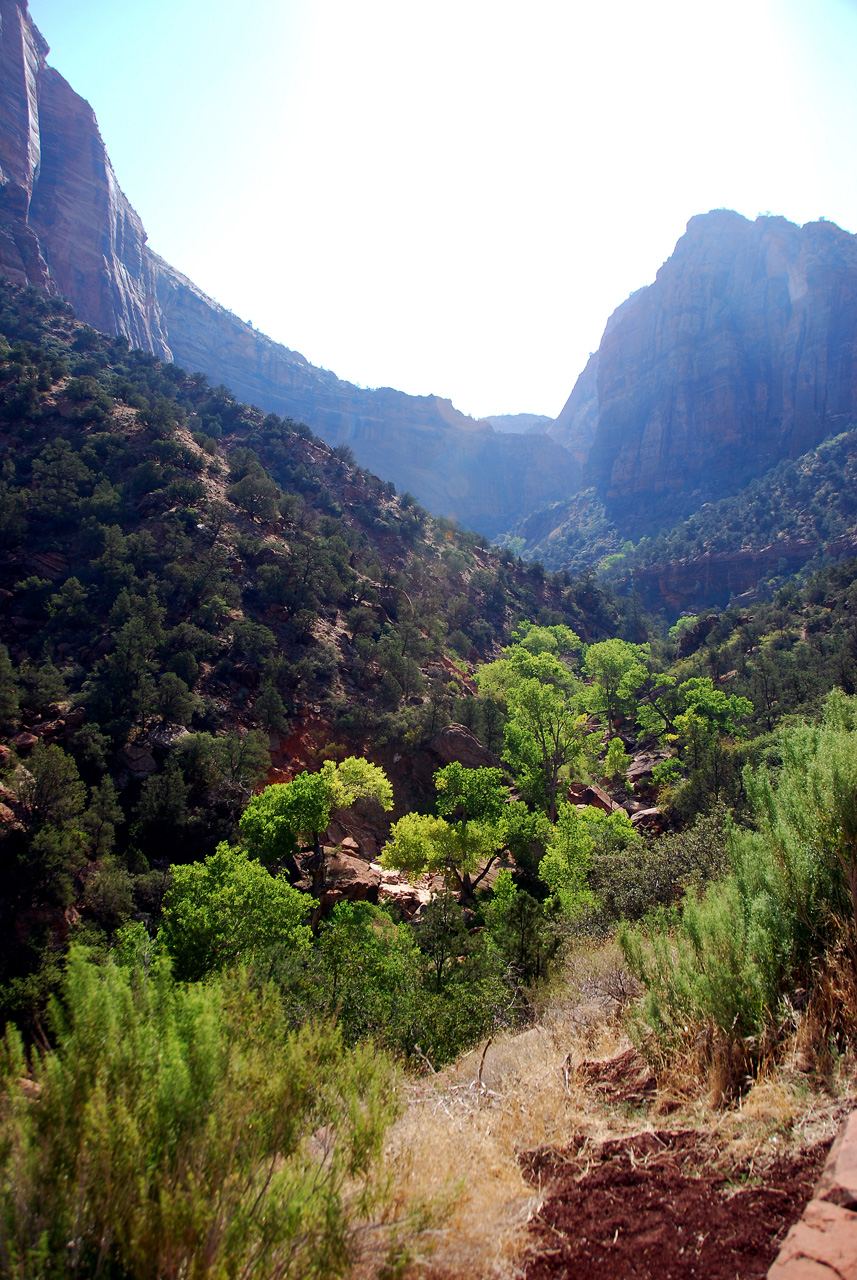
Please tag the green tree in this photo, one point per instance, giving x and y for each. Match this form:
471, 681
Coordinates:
9, 692
545, 732
228, 909
162, 813
371, 974
709, 716
469, 834
706, 731
180, 1129
497, 679
270, 710
616, 761
174, 700
103, 815
568, 859
256, 494
229, 766
614, 667
558, 640
285, 814
53, 799
516, 922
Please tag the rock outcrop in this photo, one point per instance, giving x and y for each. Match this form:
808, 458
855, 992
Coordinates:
66, 227
823, 1242
740, 354
718, 577
22, 60
454, 743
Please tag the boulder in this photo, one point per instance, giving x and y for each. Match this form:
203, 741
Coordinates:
651, 820
51, 730
408, 898
823, 1242
139, 761
456, 742
48, 564
820, 1244
597, 798
24, 742
165, 736
640, 771
838, 1182
346, 878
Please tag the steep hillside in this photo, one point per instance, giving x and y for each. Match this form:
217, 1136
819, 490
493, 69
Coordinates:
65, 226
196, 596
798, 516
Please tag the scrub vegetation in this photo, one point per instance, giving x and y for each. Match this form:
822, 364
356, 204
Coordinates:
220, 642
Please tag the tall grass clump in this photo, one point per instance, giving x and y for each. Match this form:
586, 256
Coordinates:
184, 1131
719, 967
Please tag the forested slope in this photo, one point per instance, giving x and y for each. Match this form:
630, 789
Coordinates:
799, 516
189, 586
223, 650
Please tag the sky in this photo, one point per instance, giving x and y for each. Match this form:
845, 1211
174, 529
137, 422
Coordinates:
452, 197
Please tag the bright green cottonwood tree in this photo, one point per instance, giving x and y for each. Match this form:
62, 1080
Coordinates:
546, 730
469, 831
222, 911
286, 814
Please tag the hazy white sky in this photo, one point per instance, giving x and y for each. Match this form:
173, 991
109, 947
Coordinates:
453, 196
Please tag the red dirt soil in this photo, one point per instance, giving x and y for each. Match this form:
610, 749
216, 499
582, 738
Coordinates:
658, 1207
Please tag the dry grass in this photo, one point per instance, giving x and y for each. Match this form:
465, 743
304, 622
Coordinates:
459, 1139
455, 1151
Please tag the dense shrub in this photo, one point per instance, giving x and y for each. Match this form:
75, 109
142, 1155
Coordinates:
185, 1131
739, 948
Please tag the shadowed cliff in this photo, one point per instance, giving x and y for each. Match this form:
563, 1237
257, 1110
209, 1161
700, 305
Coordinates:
66, 227
740, 354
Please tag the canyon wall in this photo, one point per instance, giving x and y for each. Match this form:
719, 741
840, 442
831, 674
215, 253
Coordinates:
741, 353
65, 226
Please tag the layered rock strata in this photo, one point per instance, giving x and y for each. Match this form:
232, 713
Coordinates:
66, 226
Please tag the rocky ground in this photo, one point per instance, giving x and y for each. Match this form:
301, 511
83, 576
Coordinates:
556, 1153
662, 1205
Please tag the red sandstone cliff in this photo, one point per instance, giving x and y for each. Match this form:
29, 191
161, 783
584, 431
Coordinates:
22, 55
66, 226
741, 353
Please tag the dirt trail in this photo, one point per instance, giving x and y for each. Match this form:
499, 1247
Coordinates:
557, 1153
662, 1206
